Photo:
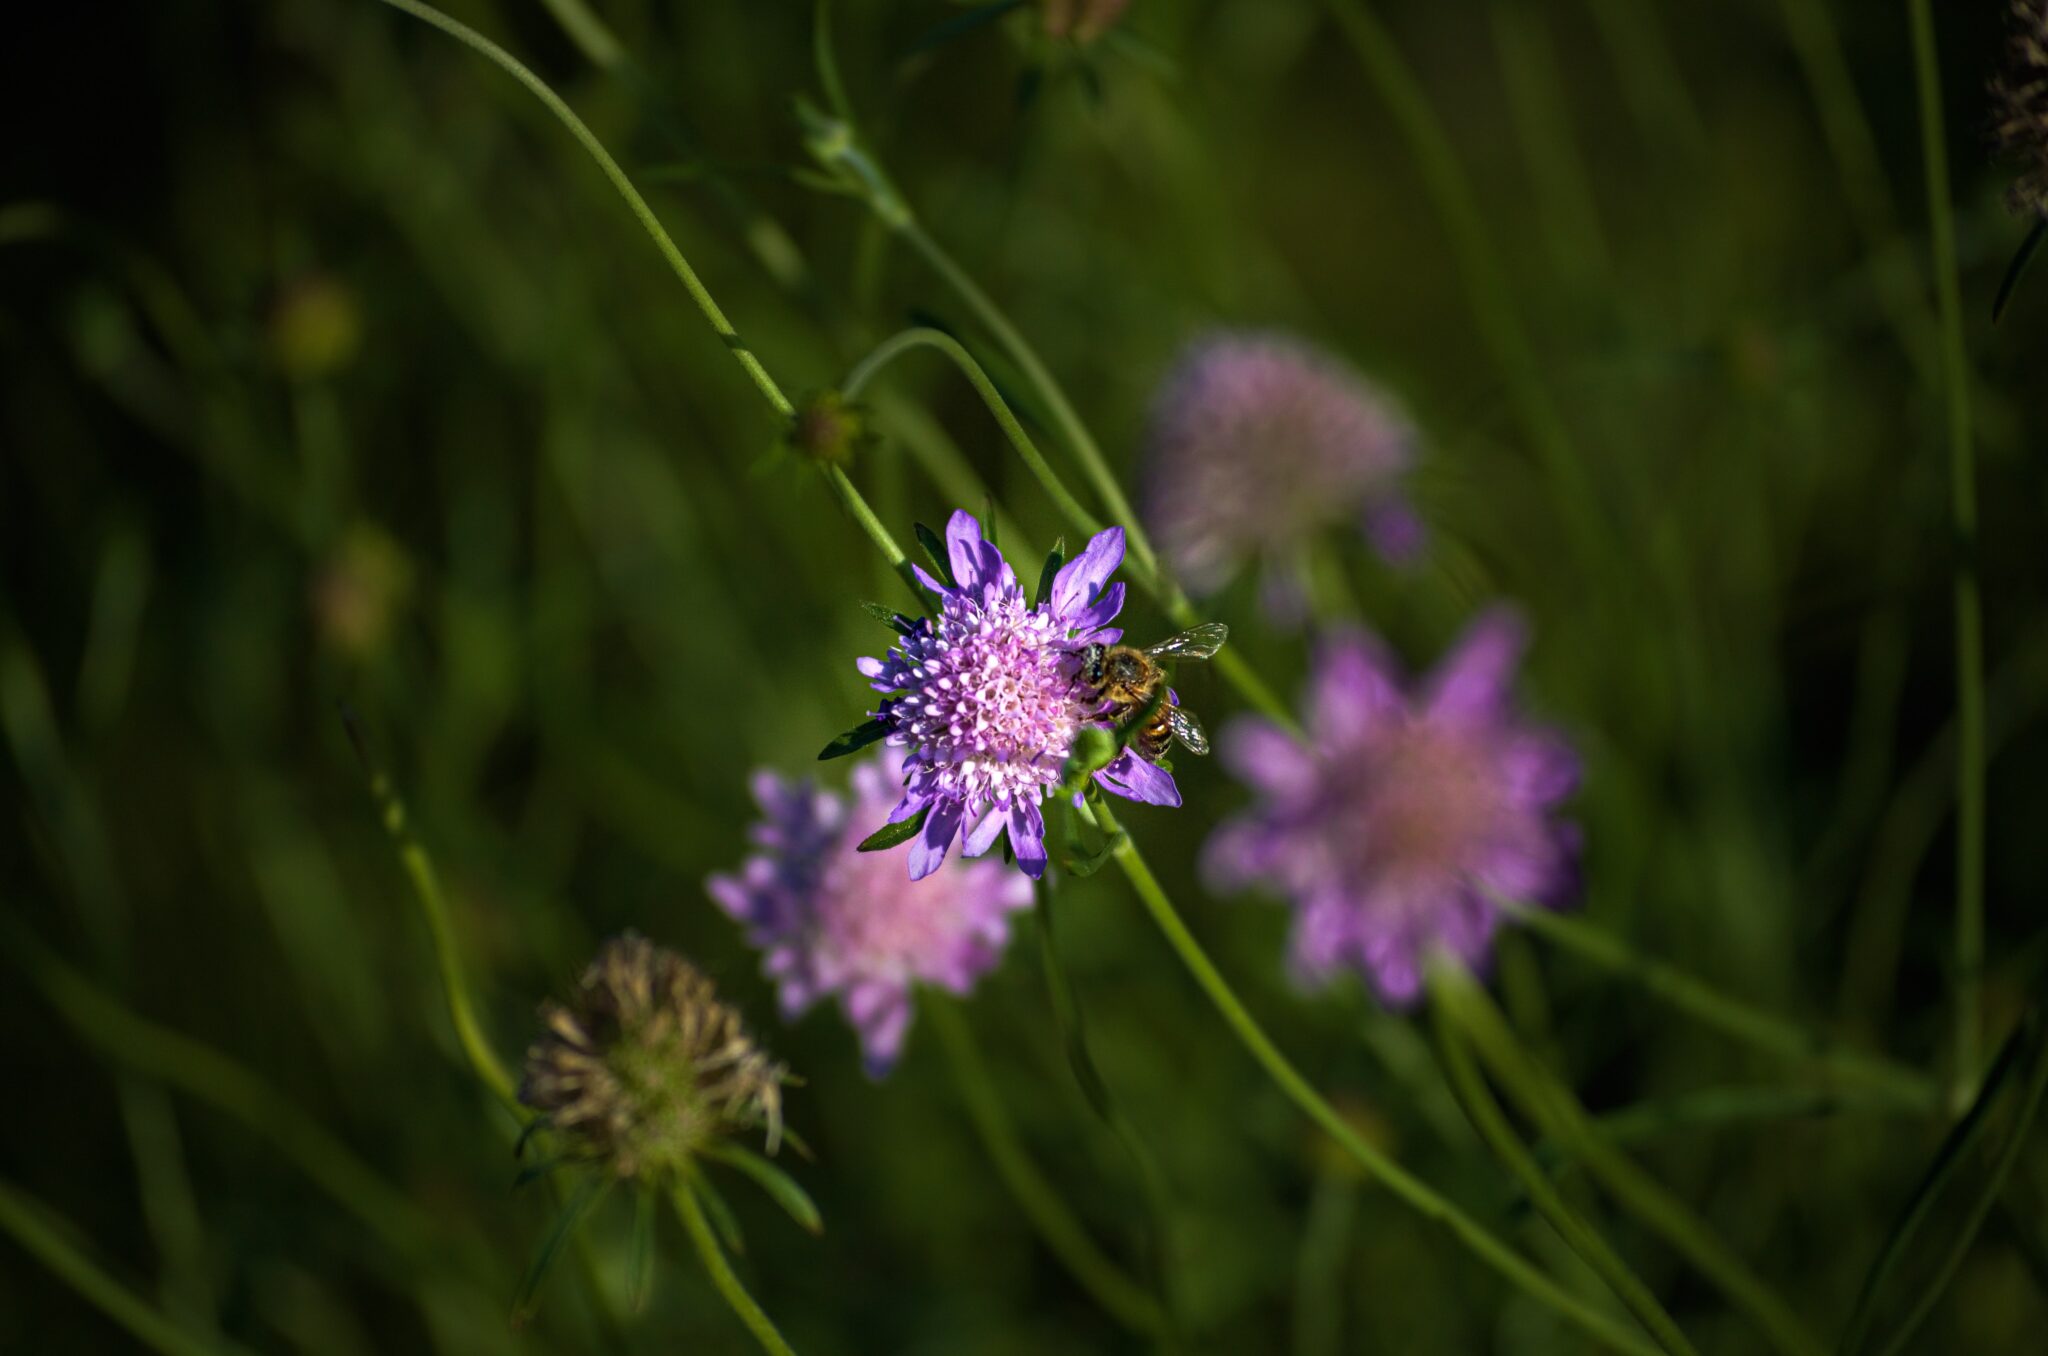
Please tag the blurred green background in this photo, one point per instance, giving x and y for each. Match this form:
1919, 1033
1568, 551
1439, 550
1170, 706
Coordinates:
335, 371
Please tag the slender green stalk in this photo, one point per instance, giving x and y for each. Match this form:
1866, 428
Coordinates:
1411, 1190
1320, 1283
1486, 284
1492, 1124
713, 1257
920, 337
1969, 639
842, 489
1121, 1297
1729, 1015
1553, 1107
426, 886
1716, 1108
1093, 464
27, 1223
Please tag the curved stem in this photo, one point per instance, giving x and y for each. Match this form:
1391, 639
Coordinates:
1728, 1015
1492, 1124
1076, 433
1969, 639
426, 886
842, 489
1120, 1296
721, 1272
1557, 1111
1486, 285
921, 337
1411, 1190
25, 1221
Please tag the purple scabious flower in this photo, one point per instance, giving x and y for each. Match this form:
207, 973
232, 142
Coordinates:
985, 697
830, 920
1408, 810
1257, 441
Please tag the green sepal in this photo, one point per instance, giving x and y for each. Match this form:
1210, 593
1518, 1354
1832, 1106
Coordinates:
935, 551
574, 1211
891, 835
890, 617
720, 1214
854, 740
1053, 560
780, 1186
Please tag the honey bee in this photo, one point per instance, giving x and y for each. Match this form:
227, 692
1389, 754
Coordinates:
1130, 684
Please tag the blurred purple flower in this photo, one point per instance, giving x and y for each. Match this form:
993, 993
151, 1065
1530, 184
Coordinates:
984, 697
830, 920
1407, 811
1256, 442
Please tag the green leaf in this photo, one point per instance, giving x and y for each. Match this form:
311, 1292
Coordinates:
2018, 267
890, 835
640, 1264
935, 551
889, 617
1080, 868
722, 1218
854, 740
575, 1210
1056, 558
1948, 1159
988, 520
779, 1185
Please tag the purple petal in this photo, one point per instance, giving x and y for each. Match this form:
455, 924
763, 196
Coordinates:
881, 1014
983, 835
963, 550
1133, 778
1395, 530
1267, 758
1078, 581
1539, 768
928, 849
1027, 837
924, 577
1355, 692
1102, 613
1470, 685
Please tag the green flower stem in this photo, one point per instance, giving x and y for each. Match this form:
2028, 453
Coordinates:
1492, 1124
1553, 1107
1969, 638
897, 344
1072, 430
28, 1224
1411, 1190
1715, 1108
1486, 285
721, 1272
426, 885
835, 479
1121, 1297
1728, 1015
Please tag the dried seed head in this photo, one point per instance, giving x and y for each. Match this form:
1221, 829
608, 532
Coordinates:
644, 1065
1081, 20
829, 428
2020, 92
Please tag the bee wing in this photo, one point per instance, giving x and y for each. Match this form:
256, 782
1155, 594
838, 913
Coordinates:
1197, 642
1187, 730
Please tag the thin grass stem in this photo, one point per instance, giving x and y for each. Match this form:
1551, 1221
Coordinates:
1409, 1189
27, 1222
1493, 1128
722, 1276
1123, 1298
1969, 638
1728, 1015
1554, 1108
